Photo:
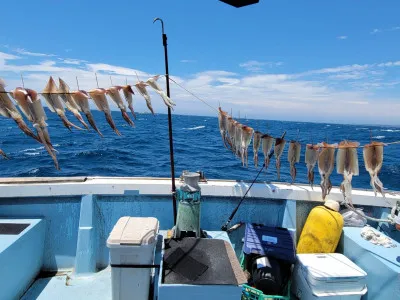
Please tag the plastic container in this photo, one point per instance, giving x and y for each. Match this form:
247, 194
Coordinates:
132, 242
251, 293
321, 232
270, 241
327, 276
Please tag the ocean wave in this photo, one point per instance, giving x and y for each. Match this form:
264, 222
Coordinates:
378, 137
195, 128
362, 128
32, 153
33, 171
31, 149
391, 130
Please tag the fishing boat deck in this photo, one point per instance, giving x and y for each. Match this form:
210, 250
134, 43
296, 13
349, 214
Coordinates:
62, 286
94, 286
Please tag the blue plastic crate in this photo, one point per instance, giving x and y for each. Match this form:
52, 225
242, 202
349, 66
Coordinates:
270, 241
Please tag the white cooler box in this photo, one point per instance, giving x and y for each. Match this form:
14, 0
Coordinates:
132, 242
327, 276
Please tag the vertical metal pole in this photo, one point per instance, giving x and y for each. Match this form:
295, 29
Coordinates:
171, 145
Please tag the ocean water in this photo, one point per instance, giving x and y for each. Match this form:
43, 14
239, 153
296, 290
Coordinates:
144, 150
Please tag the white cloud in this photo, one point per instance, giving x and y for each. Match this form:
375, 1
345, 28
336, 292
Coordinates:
258, 66
71, 61
342, 37
188, 61
25, 52
376, 30
349, 93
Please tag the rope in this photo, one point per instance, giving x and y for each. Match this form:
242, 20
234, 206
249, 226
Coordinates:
212, 107
367, 217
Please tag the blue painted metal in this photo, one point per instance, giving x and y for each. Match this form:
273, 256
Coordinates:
21, 257
85, 261
62, 218
380, 263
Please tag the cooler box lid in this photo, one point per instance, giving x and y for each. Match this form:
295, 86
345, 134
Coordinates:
271, 241
134, 231
325, 268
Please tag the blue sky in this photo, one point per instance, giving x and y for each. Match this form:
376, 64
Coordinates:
335, 61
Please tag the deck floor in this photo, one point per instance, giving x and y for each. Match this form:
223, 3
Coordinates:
96, 286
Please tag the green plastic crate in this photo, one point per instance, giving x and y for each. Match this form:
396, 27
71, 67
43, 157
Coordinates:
250, 293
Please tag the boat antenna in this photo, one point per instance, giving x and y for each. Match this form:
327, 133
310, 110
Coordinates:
111, 80
126, 80
97, 80
22, 79
225, 226
77, 82
171, 144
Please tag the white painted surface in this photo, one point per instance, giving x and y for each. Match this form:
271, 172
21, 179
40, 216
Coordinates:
47, 187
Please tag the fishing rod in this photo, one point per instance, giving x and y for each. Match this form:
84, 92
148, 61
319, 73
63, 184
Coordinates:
225, 226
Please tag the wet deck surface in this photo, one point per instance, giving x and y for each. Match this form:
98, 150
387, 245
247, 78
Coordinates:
96, 287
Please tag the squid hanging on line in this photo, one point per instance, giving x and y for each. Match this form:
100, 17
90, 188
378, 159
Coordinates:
256, 146
311, 158
113, 92
267, 144
231, 132
141, 87
8, 110
279, 146
152, 82
223, 125
69, 101
50, 94
373, 159
247, 134
99, 97
347, 165
238, 139
81, 98
294, 157
326, 164
30, 101
128, 94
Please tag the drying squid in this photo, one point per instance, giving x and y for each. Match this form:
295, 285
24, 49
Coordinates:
231, 132
99, 97
267, 143
8, 110
30, 100
326, 164
278, 149
347, 165
2, 153
128, 94
223, 125
141, 87
238, 139
152, 82
69, 101
81, 99
311, 158
256, 146
50, 94
116, 97
247, 134
373, 159
293, 157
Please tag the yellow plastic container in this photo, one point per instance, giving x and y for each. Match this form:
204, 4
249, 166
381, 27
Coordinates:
321, 232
